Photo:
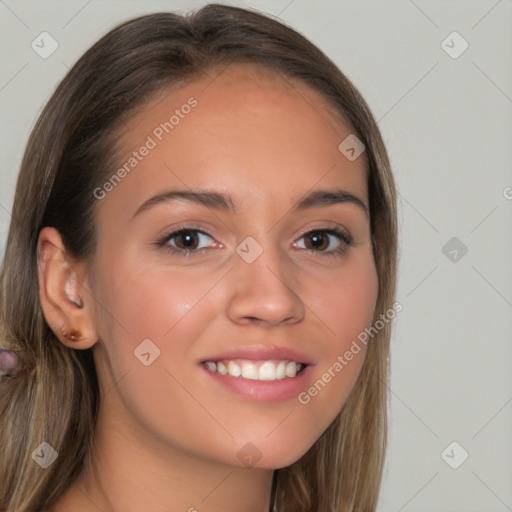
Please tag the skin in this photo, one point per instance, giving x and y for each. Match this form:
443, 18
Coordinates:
167, 438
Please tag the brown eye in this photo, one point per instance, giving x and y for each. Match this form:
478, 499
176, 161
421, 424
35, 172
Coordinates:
186, 241
318, 239
328, 242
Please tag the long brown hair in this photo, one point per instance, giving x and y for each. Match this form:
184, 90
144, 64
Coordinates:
55, 397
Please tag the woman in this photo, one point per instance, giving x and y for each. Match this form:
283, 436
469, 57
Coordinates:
198, 279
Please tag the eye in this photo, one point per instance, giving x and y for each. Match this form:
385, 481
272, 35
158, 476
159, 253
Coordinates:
320, 240
190, 241
185, 241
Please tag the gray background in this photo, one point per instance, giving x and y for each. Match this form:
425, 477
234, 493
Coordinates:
447, 124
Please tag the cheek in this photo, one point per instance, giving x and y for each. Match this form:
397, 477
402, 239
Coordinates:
346, 311
148, 328
346, 302
147, 302
157, 312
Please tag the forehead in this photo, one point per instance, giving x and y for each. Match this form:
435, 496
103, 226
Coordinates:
243, 126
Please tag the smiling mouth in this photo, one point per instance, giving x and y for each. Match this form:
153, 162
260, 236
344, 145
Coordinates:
256, 370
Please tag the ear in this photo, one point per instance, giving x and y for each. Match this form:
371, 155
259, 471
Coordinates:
66, 306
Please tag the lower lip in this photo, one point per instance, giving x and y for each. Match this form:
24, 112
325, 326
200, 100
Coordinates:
263, 390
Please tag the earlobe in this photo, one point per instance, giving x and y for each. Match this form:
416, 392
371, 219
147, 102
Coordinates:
64, 308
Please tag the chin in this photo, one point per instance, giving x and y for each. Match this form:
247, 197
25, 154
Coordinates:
267, 457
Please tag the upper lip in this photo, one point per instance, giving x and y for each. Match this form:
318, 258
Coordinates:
261, 353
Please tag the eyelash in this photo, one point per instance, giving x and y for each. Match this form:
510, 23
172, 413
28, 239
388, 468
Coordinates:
343, 236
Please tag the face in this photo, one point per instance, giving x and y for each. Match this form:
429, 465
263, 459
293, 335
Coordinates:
245, 276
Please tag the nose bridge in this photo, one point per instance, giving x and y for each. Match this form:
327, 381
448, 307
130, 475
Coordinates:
262, 284
263, 260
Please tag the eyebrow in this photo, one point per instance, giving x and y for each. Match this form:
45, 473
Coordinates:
224, 202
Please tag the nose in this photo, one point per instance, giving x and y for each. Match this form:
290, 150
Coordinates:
262, 291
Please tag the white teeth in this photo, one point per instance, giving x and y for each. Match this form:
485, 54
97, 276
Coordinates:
233, 369
291, 369
212, 366
281, 370
221, 368
249, 371
261, 370
267, 371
